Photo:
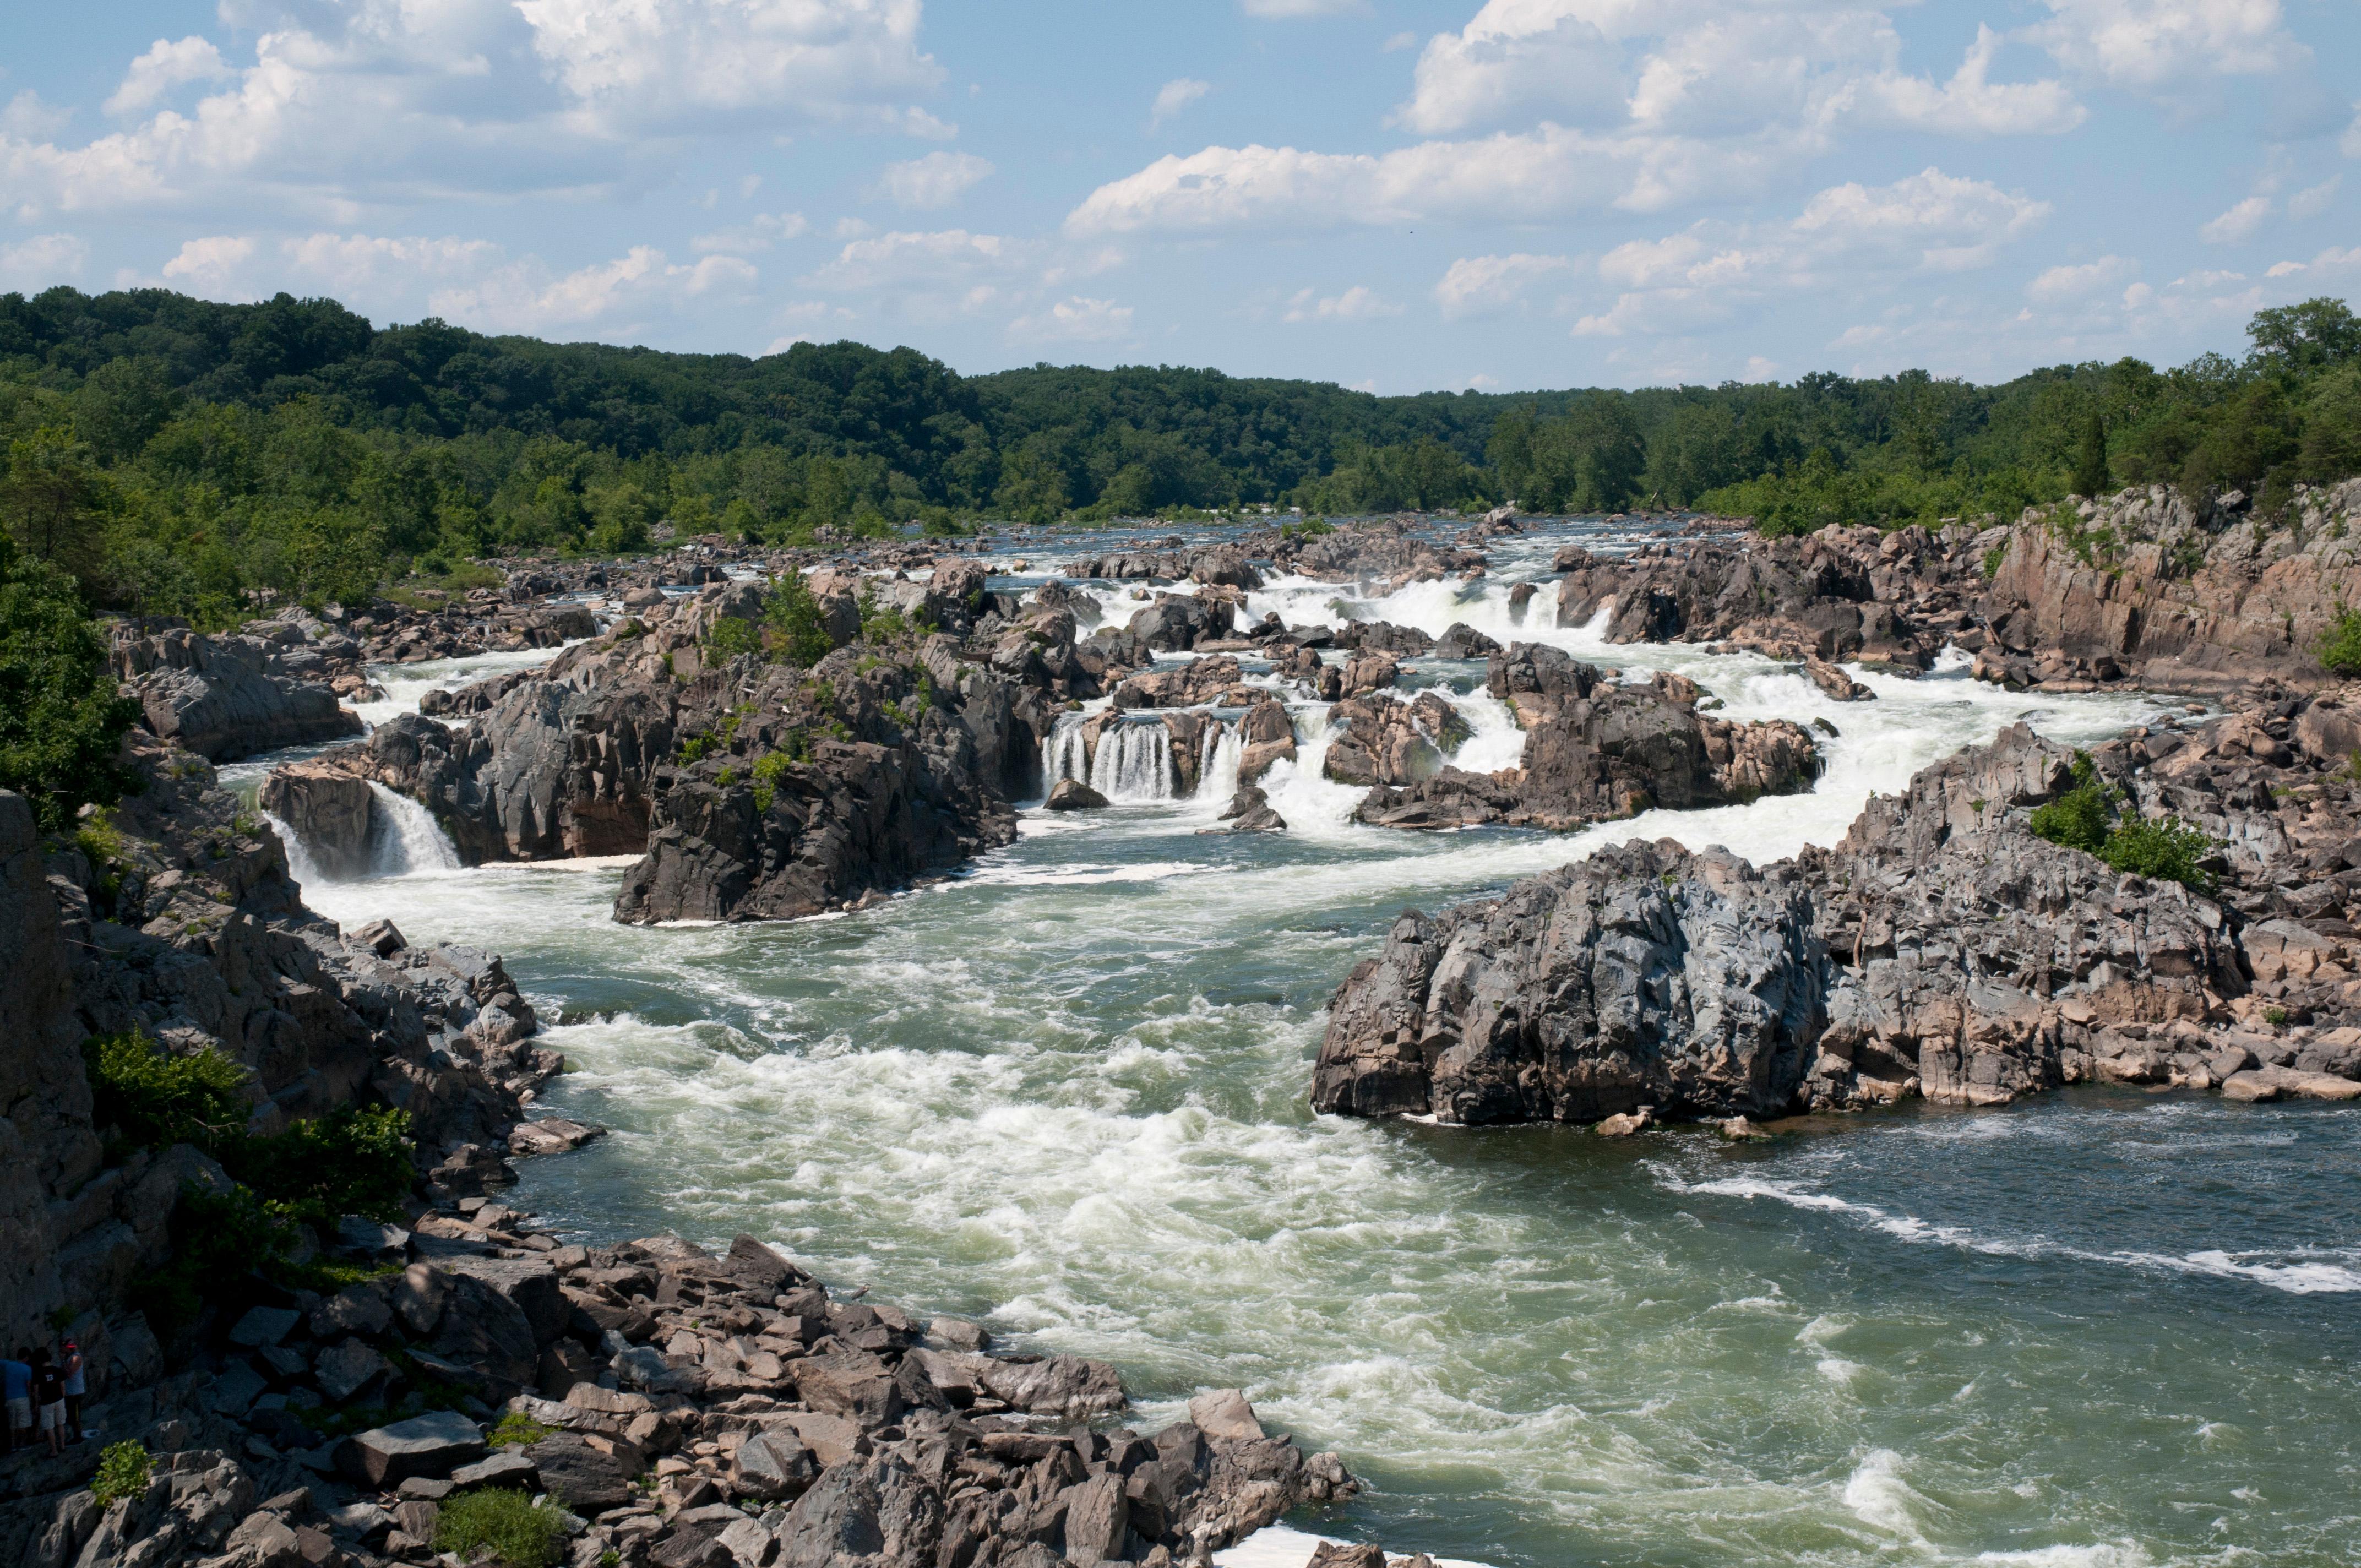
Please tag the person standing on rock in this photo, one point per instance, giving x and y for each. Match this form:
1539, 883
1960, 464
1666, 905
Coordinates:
17, 1389
76, 1385
50, 1401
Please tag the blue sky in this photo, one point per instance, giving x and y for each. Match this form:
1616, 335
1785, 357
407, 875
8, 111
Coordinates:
1390, 194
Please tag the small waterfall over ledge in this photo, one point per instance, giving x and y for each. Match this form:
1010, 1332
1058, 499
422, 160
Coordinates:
404, 838
1134, 762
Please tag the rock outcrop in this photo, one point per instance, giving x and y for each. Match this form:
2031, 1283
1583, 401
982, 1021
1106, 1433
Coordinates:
1942, 949
227, 697
186, 927
1597, 749
679, 1406
2149, 586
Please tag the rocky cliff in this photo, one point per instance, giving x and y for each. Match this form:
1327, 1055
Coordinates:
227, 697
1595, 748
177, 919
2147, 586
1942, 949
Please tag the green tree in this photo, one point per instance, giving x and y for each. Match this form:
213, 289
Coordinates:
61, 722
51, 499
2316, 335
2090, 457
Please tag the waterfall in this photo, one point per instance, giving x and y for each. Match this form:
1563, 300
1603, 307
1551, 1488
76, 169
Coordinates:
1217, 768
405, 837
1134, 762
299, 863
1063, 754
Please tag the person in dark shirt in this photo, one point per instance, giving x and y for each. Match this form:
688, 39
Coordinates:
17, 1391
50, 1401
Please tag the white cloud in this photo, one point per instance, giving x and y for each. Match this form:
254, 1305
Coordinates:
2061, 283
1356, 303
525, 297
1174, 96
632, 64
2349, 144
2151, 44
2313, 201
945, 259
2238, 223
1619, 105
1971, 103
1479, 285
213, 266
1074, 320
1852, 236
41, 262
1944, 221
348, 265
28, 116
165, 66
1399, 42
935, 180
396, 101
2336, 261
1692, 68
766, 230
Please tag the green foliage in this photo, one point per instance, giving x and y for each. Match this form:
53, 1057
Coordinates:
2163, 850
157, 1099
519, 1534
174, 456
770, 768
2339, 648
792, 612
880, 625
218, 1240
731, 637
357, 1160
124, 1471
61, 722
2077, 819
516, 1431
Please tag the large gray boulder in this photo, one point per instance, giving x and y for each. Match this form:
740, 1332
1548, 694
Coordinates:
432, 1445
226, 698
1643, 976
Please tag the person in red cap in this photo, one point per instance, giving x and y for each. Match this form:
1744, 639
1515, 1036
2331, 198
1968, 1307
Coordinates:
71, 1366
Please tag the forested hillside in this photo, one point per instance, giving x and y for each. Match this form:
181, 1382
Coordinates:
181, 457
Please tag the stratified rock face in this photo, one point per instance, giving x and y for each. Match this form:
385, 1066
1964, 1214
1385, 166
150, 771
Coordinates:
1597, 749
328, 810
195, 936
2149, 586
226, 698
932, 753
1644, 976
1842, 593
1940, 949
2176, 593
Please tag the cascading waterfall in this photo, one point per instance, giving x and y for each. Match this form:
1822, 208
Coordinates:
405, 837
1217, 764
299, 863
1065, 755
1134, 762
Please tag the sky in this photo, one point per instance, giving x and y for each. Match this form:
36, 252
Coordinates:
1392, 194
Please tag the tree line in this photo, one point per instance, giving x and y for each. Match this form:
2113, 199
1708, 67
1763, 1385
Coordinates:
174, 456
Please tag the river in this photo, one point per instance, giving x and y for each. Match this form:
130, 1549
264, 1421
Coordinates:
1066, 1092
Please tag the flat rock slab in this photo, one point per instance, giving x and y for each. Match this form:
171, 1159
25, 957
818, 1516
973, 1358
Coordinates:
506, 1467
432, 1445
264, 1325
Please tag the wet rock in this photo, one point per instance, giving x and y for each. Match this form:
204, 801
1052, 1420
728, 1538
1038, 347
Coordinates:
330, 812
1073, 795
227, 697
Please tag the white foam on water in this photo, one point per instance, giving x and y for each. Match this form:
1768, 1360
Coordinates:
1280, 1546
403, 684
